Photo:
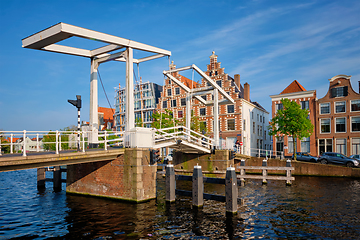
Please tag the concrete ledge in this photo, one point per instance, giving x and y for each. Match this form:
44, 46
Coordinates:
47, 160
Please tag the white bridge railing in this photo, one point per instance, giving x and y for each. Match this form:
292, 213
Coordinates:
183, 133
42, 141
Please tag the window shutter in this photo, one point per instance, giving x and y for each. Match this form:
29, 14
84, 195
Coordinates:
332, 92
345, 91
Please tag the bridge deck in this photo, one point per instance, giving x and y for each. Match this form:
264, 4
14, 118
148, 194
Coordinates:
11, 163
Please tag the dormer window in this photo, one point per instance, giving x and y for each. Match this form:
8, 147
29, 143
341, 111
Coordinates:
339, 92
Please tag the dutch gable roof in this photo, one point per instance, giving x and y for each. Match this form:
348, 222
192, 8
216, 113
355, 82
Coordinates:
295, 86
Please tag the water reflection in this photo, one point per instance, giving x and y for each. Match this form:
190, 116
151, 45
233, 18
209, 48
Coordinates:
312, 208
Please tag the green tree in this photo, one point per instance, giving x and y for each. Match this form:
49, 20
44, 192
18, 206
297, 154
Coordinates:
139, 122
292, 121
166, 119
3, 140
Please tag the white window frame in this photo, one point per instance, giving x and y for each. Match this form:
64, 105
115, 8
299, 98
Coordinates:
351, 105
336, 125
324, 104
335, 107
320, 125
351, 130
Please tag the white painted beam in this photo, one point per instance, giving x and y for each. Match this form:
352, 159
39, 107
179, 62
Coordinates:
110, 57
221, 91
67, 50
187, 89
105, 49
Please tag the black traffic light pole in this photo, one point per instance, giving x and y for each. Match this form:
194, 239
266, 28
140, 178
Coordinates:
77, 103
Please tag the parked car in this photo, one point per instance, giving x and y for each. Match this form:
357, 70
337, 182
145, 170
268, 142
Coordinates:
302, 156
337, 158
356, 156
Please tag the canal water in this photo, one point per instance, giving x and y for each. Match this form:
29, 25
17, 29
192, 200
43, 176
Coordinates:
312, 208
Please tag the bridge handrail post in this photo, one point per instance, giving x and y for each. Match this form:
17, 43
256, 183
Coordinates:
83, 141
56, 142
105, 143
60, 142
37, 143
231, 190
11, 144
264, 171
24, 143
197, 187
170, 184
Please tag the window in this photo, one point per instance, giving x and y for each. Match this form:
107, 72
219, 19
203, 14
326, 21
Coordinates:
137, 105
325, 125
183, 102
216, 73
252, 115
340, 107
305, 144
230, 108
324, 108
291, 144
278, 107
218, 82
210, 73
304, 104
355, 105
202, 111
231, 124
203, 97
253, 127
265, 135
260, 130
180, 114
339, 92
164, 104
177, 91
355, 124
244, 125
355, 146
340, 125
169, 92
325, 145
341, 146
260, 118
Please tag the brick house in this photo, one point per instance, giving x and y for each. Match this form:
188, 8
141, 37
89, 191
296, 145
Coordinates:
105, 118
307, 100
230, 115
338, 118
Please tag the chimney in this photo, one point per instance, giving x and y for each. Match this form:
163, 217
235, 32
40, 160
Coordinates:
247, 92
237, 80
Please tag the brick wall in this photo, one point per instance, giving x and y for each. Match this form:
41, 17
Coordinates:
128, 177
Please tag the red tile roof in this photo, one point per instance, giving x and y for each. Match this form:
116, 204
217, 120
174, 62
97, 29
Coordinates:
295, 86
108, 112
187, 82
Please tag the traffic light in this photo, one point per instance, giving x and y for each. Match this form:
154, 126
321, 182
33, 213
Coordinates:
154, 156
232, 154
77, 102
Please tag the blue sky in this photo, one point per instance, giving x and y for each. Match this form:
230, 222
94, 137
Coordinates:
269, 43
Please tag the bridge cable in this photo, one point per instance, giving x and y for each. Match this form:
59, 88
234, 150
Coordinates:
105, 92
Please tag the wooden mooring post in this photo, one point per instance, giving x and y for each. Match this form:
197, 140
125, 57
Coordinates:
197, 193
264, 177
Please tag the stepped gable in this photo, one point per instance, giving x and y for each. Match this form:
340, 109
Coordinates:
295, 86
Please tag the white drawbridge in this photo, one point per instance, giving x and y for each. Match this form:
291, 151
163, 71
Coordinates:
183, 139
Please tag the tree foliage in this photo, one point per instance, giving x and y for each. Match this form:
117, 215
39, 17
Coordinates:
164, 120
292, 121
